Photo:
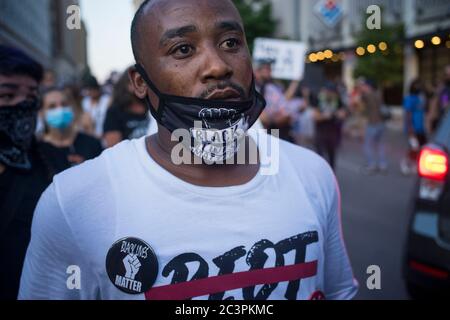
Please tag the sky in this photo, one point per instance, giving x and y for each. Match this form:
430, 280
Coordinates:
108, 25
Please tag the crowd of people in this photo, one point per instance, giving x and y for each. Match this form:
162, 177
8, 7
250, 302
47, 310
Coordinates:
318, 120
46, 128
424, 106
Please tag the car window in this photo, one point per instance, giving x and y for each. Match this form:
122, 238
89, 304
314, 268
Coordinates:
442, 136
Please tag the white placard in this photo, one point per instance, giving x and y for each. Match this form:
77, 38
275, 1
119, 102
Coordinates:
289, 57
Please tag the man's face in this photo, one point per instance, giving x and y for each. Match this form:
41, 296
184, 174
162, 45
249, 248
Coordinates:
266, 72
54, 99
49, 79
94, 93
263, 73
190, 47
17, 88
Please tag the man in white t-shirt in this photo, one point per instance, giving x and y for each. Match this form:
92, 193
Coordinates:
134, 224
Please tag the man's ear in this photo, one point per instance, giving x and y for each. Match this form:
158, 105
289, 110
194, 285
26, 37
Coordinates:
139, 85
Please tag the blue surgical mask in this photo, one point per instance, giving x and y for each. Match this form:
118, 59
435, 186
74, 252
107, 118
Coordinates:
59, 118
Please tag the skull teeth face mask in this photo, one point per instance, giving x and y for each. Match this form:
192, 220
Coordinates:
17, 126
216, 127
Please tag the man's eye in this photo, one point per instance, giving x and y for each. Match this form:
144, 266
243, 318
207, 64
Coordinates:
182, 51
230, 43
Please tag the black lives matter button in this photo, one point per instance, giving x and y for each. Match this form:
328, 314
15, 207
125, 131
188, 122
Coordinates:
132, 265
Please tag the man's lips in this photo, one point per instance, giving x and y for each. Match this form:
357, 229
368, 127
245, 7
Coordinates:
225, 94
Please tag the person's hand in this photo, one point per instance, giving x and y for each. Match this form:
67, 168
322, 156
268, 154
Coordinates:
282, 119
327, 115
265, 119
292, 89
75, 159
341, 114
414, 142
132, 265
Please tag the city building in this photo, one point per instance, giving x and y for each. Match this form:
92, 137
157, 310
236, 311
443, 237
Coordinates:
333, 25
39, 28
30, 29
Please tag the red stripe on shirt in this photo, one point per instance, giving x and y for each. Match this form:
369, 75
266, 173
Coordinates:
202, 287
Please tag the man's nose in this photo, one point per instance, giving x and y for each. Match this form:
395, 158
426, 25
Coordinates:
214, 66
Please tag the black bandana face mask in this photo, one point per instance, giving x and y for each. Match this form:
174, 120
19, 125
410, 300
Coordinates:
216, 127
17, 126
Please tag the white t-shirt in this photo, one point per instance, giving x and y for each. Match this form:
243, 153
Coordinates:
275, 237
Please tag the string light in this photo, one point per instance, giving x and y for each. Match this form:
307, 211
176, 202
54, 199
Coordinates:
313, 57
436, 40
360, 51
371, 48
419, 44
320, 55
328, 54
382, 46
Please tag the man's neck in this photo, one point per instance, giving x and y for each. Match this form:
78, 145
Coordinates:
218, 175
2, 169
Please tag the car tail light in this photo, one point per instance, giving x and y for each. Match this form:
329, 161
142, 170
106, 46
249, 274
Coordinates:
431, 271
433, 164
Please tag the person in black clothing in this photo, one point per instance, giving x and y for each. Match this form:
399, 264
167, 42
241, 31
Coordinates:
24, 172
128, 117
329, 116
62, 143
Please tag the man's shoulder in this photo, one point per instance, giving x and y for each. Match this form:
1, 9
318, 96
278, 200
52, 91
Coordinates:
303, 159
290, 160
93, 173
305, 169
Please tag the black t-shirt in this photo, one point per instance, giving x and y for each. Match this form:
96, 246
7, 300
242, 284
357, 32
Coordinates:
84, 148
19, 194
329, 126
130, 125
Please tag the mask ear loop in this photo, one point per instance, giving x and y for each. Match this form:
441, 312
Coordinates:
157, 114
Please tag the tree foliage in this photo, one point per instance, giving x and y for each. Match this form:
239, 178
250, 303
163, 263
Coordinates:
383, 67
257, 17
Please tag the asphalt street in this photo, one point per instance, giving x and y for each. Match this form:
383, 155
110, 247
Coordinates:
375, 215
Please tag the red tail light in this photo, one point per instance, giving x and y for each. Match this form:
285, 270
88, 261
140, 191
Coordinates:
433, 164
433, 272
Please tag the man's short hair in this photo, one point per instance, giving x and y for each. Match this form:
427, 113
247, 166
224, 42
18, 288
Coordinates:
136, 29
15, 62
264, 62
91, 83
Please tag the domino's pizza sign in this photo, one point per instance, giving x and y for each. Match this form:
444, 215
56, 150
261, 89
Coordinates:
330, 12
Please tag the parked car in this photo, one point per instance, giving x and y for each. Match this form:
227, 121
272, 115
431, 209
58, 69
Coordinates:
427, 250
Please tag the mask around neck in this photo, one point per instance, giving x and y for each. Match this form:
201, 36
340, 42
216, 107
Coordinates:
215, 127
